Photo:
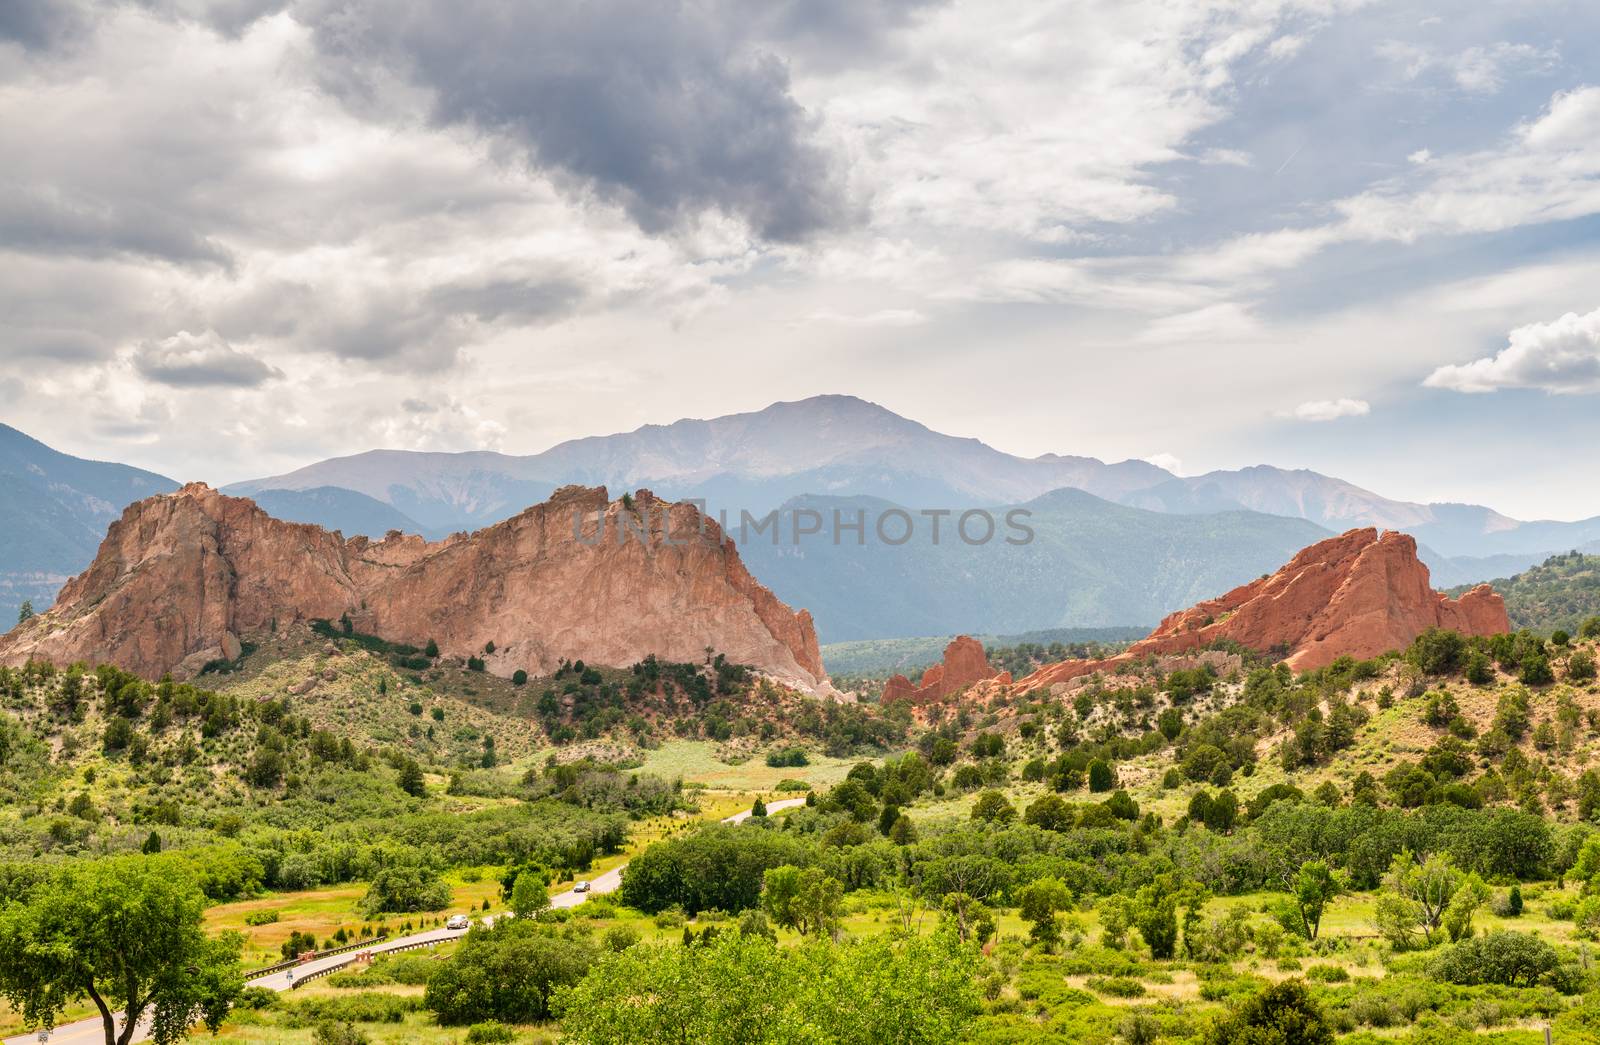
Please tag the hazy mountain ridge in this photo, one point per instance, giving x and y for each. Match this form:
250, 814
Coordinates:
54, 510
845, 446
1091, 563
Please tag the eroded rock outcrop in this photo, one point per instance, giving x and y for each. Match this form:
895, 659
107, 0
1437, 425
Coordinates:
180, 577
964, 664
1359, 594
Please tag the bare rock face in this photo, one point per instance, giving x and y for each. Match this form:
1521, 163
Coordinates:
964, 664
1358, 594
180, 576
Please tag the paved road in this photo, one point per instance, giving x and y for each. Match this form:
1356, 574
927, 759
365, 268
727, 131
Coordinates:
92, 1031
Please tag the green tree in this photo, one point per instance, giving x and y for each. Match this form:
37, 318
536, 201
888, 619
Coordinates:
432, 650
1040, 902
126, 934
742, 990
1311, 888
411, 781
992, 807
1049, 812
510, 972
1415, 896
1155, 915
1470, 895
1101, 776
25, 613
529, 895
807, 899
404, 888
1283, 1014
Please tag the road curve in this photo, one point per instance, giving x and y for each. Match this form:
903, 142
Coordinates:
92, 1031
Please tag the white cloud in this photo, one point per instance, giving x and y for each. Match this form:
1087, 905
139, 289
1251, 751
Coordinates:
1225, 158
1561, 357
1224, 321
1286, 46
1482, 69
1330, 409
1169, 462
1420, 157
201, 360
884, 317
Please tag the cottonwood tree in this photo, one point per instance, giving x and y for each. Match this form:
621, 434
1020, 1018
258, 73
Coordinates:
124, 933
1040, 902
804, 899
529, 895
1416, 894
1311, 887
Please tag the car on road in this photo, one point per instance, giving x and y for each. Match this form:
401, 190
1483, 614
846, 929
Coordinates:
458, 921
581, 887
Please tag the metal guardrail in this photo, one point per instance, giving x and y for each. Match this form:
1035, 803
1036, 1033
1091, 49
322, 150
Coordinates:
315, 956
395, 949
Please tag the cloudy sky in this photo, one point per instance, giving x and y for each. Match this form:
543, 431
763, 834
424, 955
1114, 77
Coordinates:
237, 236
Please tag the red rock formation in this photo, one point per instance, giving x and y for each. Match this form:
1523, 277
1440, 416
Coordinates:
180, 577
1357, 594
964, 664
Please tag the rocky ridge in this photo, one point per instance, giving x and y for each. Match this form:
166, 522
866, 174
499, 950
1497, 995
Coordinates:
1358, 594
964, 664
181, 577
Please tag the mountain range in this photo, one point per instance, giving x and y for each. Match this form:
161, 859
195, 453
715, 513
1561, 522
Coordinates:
54, 510
1132, 542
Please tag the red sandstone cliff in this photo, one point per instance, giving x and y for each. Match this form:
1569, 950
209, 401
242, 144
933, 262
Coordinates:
179, 577
1357, 594
964, 663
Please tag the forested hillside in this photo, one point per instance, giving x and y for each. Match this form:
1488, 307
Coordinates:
1557, 595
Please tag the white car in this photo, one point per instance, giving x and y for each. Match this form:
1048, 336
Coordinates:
581, 887
458, 921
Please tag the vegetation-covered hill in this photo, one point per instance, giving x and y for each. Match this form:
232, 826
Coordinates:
1191, 851
1557, 595
884, 657
1089, 563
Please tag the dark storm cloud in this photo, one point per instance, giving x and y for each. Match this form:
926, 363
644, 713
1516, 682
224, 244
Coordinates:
828, 33
39, 24
662, 106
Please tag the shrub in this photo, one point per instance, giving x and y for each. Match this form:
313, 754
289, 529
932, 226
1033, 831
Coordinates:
1115, 986
331, 1033
1510, 959
1328, 974
405, 889
490, 1033
508, 972
1284, 1012
364, 1007
789, 757
261, 917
